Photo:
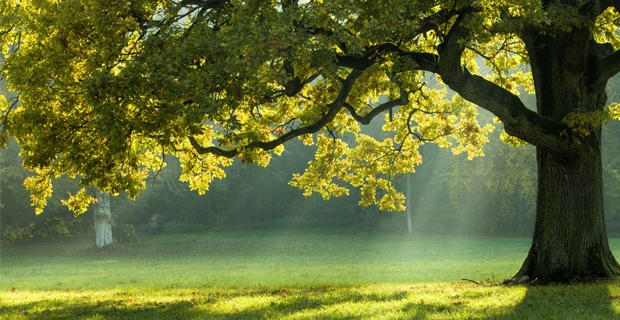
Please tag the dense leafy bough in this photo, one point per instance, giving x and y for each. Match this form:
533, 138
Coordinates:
107, 88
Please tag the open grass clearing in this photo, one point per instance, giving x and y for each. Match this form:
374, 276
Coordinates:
329, 274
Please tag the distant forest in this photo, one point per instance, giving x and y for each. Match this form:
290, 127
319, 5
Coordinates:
492, 195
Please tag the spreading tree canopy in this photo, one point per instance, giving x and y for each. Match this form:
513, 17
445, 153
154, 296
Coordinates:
108, 88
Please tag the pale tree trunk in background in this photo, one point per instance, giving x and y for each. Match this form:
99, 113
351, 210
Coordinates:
103, 220
409, 205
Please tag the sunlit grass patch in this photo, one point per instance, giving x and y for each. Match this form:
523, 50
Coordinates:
280, 275
375, 301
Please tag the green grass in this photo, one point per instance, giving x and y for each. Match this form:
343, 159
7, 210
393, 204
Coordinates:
286, 275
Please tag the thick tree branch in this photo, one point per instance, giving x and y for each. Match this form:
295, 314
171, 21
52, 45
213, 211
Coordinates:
332, 111
518, 120
594, 8
609, 66
207, 4
602, 57
433, 22
294, 85
426, 61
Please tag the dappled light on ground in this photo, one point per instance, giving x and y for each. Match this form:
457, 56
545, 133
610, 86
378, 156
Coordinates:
380, 301
442, 301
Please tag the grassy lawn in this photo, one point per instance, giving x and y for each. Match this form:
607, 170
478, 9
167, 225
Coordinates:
327, 274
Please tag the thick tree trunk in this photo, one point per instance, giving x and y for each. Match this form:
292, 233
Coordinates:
569, 236
568, 69
570, 239
103, 220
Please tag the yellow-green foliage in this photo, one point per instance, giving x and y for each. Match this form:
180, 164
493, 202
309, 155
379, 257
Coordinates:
584, 123
108, 88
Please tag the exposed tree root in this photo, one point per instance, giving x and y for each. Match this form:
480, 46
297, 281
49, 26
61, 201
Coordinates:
506, 282
474, 281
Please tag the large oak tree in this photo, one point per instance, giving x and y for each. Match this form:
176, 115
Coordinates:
107, 88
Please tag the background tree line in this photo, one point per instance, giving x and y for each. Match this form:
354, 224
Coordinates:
492, 195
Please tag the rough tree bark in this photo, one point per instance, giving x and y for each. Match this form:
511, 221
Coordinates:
103, 220
570, 239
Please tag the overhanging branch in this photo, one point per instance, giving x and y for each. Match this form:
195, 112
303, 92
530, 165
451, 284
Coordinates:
518, 120
610, 66
207, 4
426, 61
594, 8
332, 111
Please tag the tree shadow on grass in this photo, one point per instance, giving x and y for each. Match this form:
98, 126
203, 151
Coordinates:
88, 310
325, 302
403, 302
594, 301
581, 301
